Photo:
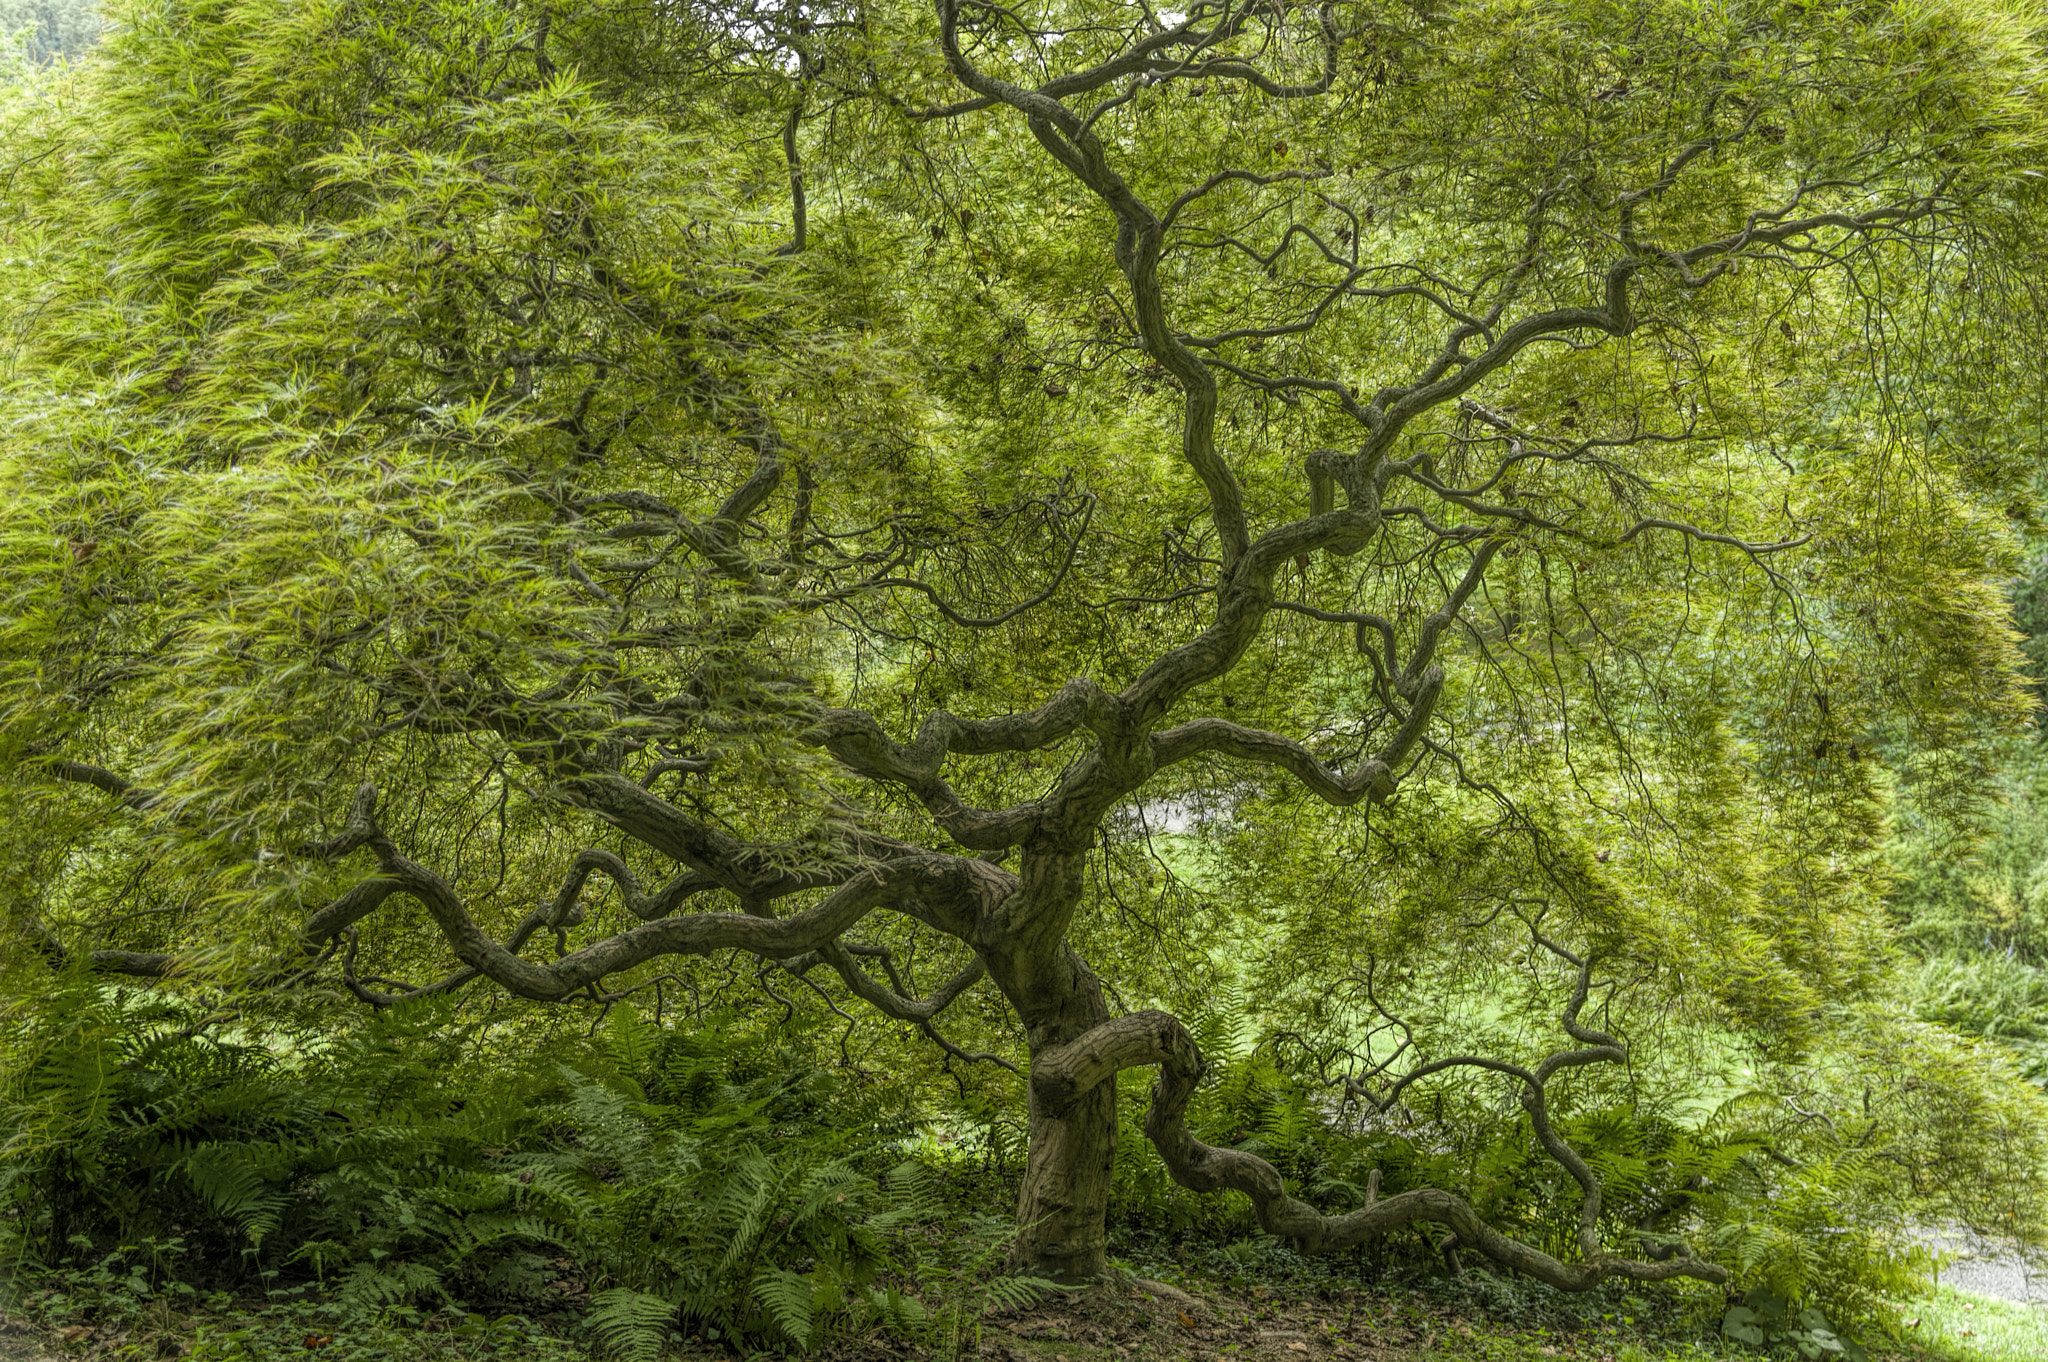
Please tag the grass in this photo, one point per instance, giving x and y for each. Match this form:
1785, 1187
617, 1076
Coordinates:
1960, 1327
1953, 1326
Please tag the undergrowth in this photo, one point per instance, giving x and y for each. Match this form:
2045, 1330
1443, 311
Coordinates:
642, 1184
403, 1174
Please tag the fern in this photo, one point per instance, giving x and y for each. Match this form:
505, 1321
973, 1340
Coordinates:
1014, 1293
898, 1312
916, 1195
236, 1189
631, 1323
629, 1041
375, 1284
791, 1302
392, 1168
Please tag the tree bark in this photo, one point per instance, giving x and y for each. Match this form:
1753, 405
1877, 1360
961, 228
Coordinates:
1064, 1203
1062, 1210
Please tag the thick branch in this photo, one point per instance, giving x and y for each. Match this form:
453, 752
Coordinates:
750, 873
1060, 1075
949, 893
82, 773
1140, 239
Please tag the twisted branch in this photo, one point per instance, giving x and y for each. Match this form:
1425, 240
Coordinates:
1060, 1076
1156, 1038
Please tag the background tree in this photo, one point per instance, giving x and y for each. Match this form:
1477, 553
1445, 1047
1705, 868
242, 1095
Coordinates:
66, 28
818, 471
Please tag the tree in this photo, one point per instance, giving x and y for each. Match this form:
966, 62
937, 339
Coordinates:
816, 469
68, 28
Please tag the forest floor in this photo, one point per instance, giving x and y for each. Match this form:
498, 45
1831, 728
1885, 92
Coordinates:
1135, 1324
1137, 1321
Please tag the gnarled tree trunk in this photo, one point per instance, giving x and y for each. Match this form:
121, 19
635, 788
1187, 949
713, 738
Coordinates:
1064, 1205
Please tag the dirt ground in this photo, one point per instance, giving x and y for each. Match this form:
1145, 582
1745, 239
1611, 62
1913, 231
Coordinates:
1146, 1321
1130, 1321
19, 1344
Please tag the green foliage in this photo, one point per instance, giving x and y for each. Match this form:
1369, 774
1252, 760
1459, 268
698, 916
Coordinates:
1763, 1320
1817, 1234
1898, 1124
392, 1163
301, 161
1807, 1178
1972, 907
1980, 891
971, 1275
383, 375
632, 1324
1971, 901
1994, 996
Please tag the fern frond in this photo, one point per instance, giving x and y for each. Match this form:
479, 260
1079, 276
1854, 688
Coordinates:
631, 1323
790, 1301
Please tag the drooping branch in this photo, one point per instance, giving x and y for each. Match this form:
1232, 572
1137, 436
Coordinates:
1454, 373
894, 1001
1597, 1047
647, 907
799, 227
134, 964
857, 740
355, 903
1420, 682
100, 778
1123, 758
753, 874
1059, 1077
1044, 594
949, 893
1421, 661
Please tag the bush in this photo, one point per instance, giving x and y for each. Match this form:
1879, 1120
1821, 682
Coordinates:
1994, 996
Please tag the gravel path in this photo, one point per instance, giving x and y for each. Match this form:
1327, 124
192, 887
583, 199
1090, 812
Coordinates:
1985, 1270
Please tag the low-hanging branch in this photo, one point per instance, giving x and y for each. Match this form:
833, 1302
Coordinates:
1060, 1076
